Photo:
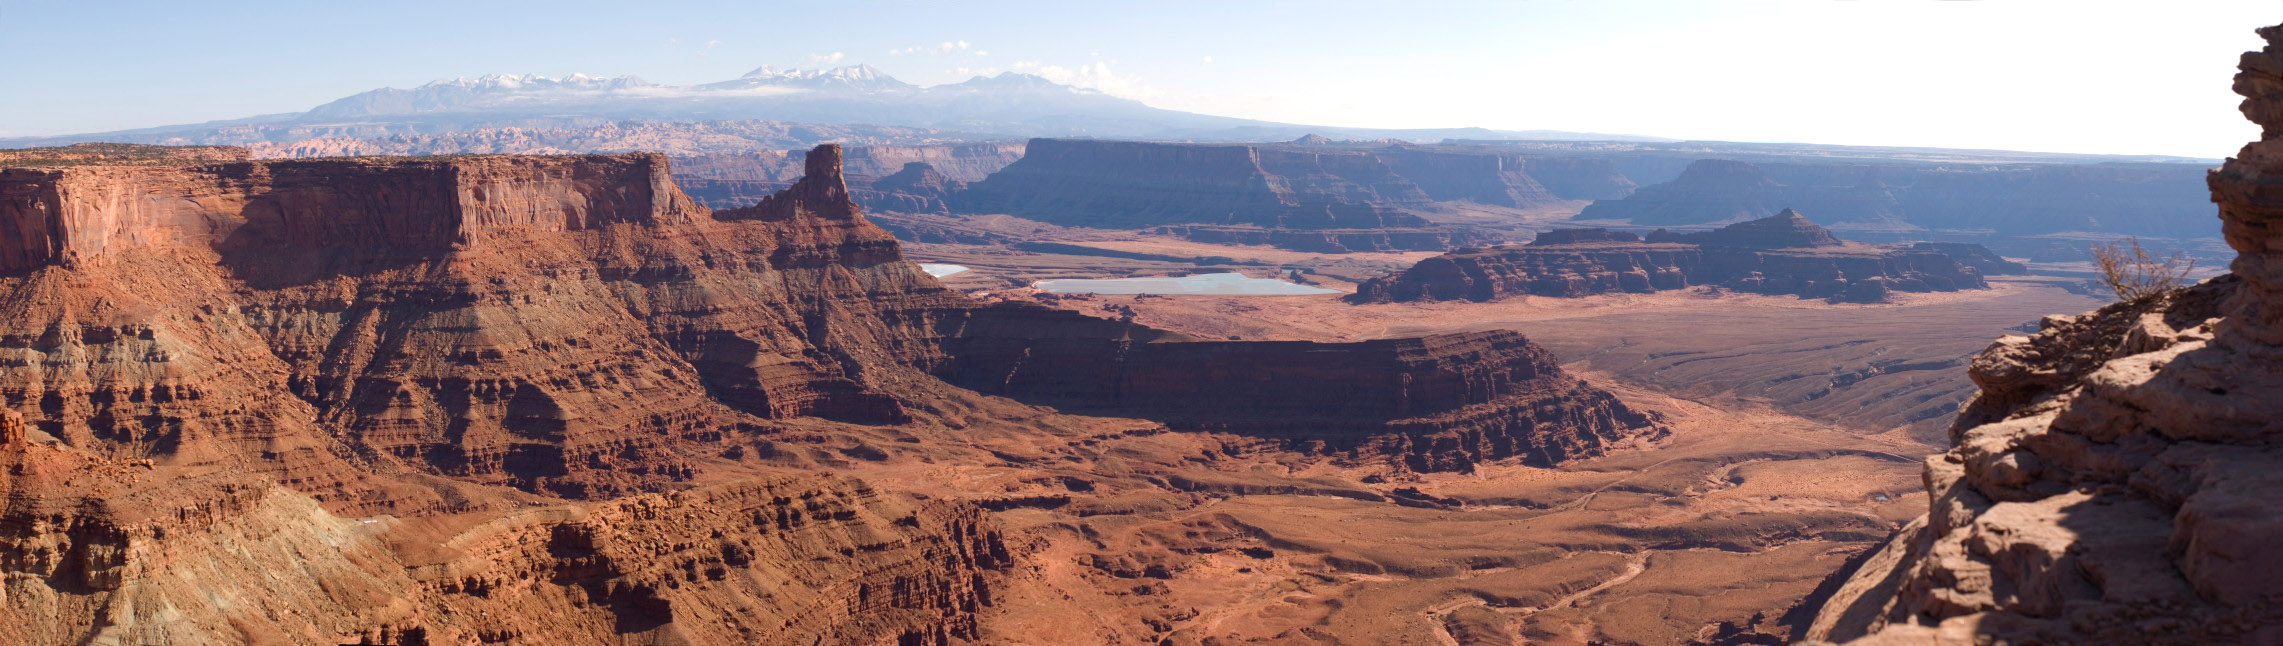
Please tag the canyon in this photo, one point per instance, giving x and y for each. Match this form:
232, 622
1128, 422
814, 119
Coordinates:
1780, 254
535, 360
558, 390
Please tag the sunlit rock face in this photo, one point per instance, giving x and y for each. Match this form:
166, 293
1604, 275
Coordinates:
2114, 480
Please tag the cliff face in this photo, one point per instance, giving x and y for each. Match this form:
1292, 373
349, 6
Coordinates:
1976, 256
2113, 481
540, 364
2011, 199
75, 216
1134, 184
1784, 254
1439, 403
109, 552
1127, 185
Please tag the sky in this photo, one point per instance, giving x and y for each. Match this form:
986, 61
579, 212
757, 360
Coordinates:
2085, 76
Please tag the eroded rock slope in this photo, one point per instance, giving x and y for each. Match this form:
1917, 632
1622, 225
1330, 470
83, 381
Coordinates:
537, 387
2114, 480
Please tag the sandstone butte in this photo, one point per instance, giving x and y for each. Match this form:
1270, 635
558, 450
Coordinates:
2114, 480
244, 398
1780, 254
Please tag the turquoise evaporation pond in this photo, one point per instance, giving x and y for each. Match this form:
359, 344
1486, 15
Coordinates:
1213, 284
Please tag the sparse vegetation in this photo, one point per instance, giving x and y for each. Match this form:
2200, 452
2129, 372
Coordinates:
2138, 276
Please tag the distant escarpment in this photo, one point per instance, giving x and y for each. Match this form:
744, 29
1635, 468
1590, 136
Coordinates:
894, 179
1784, 254
2114, 481
1311, 197
2009, 199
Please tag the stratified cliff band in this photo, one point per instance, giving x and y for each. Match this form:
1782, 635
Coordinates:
543, 360
1781, 254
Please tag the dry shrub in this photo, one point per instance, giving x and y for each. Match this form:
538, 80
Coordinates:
2138, 276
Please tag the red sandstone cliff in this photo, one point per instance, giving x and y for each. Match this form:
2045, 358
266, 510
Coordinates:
438, 337
2114, 480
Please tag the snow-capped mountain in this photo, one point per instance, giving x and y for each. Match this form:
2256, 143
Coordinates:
1007, 106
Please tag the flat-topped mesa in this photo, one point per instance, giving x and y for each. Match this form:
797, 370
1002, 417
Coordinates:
2114, 479
1976, 256
1783, 254
1437, 403
1125, 184
1784, 230
1581, 236
75, 215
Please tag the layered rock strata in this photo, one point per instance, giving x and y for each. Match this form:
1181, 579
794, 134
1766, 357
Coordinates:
2114, 480
2009, 198
1439, 403
100, 551
1784, 254
531, 361
571, 326
1220, 193
1976, 256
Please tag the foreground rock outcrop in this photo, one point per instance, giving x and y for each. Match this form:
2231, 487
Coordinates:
1783, 254
2114, 480
110, 552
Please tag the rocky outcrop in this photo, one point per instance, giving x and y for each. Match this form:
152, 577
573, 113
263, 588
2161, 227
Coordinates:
2113, 481
918, 188
1439, 403
1784, 254
96, 551
552, 324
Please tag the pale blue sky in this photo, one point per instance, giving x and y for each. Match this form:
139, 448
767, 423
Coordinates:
2072, 76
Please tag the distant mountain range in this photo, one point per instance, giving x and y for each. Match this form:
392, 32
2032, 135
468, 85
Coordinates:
858, 103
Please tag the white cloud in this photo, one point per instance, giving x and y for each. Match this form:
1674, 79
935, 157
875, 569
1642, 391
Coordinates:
826, 59
985, 71
982, 53
950, 46
905, 50
1208, 60
1095, 76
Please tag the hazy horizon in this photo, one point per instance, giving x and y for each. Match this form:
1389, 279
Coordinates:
2034, 76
